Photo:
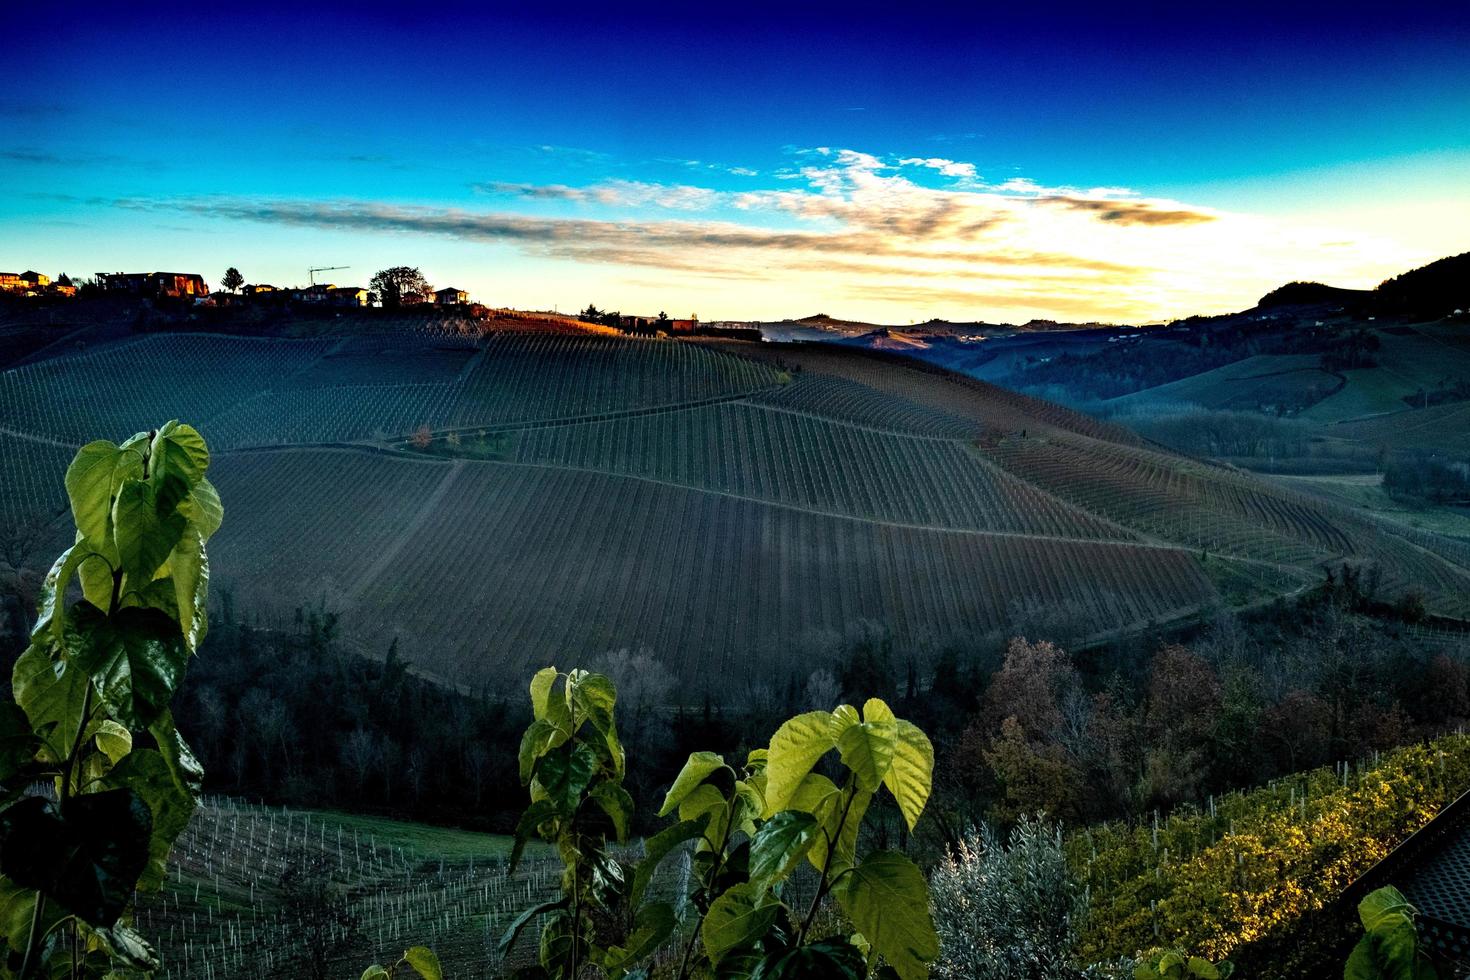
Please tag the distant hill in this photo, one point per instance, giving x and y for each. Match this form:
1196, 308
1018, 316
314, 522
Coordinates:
1312, 294
1435, 290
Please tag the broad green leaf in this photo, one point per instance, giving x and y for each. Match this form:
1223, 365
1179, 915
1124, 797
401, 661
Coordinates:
95, 574
828, 959
188, 567
113, 740
536, 816
187, 773
887, 899
146, 773
844, 716
652, 925
843, 828
92, 481
795, 748
750, 802
424, 962
136, 659
737, 918
87, 861
867, 749
508, 938
50, 692
779, 846
541, 684
695, 771
660, 846
707, 800
1203, 968
376, 972
911, 776
126, 948
178, 451
876, 709
203, 509
565, 773
50, 612
144, 529
815, 792
1382, 902
594, 696
541, 737
617, 803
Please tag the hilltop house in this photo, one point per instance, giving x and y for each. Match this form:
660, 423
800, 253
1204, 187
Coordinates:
24, 282
174, 284
449, 296
683, 326
348, 296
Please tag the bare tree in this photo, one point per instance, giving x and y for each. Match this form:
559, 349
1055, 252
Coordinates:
360, 755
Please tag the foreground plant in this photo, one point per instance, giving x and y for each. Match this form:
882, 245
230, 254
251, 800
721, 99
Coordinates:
753, 825
420, 959
1176, 964
91, 711
1389, 949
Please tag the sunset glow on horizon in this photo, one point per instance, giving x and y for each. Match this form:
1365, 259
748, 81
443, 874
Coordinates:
646, 164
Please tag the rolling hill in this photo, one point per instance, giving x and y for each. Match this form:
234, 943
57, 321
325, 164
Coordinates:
499, 502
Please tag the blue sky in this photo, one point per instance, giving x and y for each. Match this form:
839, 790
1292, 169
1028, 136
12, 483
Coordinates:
888, 162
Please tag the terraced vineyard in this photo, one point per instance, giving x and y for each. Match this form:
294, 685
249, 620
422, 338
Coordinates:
498, 502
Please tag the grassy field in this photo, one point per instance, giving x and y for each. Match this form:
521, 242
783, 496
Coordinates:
1366, 491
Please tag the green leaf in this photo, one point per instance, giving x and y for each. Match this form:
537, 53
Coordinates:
595, 697
911, 776
829, 959
565, 773
779, 846
87, 860
113, 740
52, 602
887, 899
844, 716
541, 737
136, 659
203, 509
178, 451
867, 749
188, 567
876, 709
737, 918
652, 925
695, 771
92, 481
794, 749
707, 801
51, 694
844, 829
147, 773
376, 972
145, 529
660, 846
538, 813
1382, 902
541, 684
424, 962
617, 803
1203, 968
126, 948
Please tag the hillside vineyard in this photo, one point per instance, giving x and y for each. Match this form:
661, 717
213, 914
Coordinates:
498, 504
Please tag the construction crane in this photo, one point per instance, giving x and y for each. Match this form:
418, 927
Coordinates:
311, 273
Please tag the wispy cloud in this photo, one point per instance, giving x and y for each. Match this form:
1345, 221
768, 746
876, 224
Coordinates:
841, 221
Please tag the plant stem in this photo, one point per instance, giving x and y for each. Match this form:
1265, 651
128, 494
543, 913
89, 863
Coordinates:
811, 913
34, 939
